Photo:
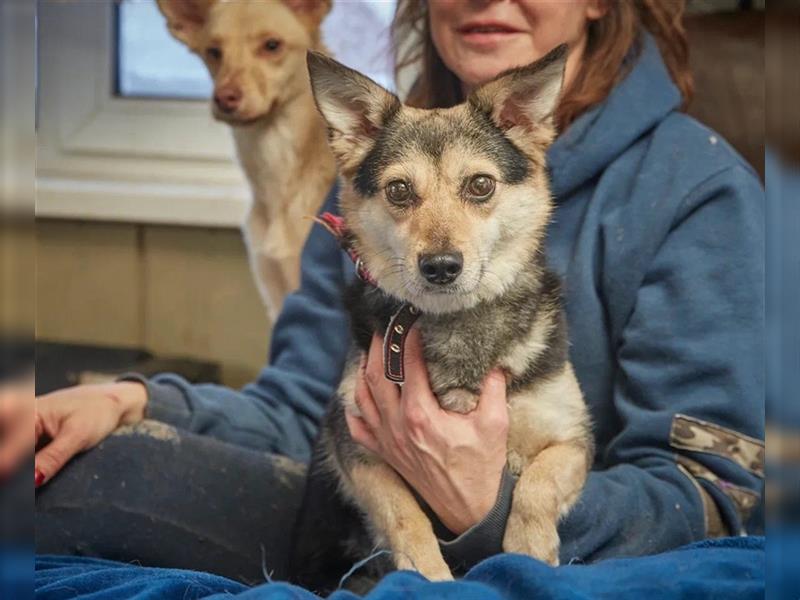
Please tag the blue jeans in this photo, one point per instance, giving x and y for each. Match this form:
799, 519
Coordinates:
157, 496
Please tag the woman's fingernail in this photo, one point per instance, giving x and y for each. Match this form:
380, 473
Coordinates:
38, 478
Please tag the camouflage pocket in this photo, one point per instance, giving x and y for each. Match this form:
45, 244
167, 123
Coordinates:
689, 433
713, 525
744, 500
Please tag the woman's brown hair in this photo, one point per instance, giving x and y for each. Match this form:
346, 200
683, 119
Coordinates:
610, 41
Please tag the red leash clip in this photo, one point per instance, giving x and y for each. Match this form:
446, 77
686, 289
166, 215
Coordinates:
335, 225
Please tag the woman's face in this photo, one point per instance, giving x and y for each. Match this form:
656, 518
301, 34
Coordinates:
478, 39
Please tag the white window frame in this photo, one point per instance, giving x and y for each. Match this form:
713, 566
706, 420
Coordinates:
103, 157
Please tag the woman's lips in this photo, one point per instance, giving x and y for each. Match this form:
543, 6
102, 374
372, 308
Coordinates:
486, 34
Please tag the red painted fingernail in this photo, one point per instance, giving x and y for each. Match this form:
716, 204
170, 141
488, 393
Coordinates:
38, 478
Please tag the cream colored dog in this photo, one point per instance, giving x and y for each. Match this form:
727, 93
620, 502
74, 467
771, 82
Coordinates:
255, 51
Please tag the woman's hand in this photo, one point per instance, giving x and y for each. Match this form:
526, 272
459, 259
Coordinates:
78, 418
454, 461
16, 424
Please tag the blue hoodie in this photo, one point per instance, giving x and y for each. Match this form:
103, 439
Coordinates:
658, 234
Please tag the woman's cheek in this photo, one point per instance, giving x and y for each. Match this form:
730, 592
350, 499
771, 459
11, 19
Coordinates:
443, 35
554, 23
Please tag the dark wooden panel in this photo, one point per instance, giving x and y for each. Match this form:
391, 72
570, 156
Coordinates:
727, 57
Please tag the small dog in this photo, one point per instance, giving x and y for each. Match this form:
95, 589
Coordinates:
255, 52
446, 211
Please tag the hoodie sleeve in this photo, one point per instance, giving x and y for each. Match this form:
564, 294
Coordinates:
280, 411
687, 462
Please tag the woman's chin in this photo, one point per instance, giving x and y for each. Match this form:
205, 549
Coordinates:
481, 68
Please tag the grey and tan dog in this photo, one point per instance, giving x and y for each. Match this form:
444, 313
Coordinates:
448, 210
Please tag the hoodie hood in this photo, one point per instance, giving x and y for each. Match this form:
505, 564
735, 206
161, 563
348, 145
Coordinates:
635, 105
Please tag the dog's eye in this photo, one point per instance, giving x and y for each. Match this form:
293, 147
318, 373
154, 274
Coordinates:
214, 53
272, 45
480, 188
398, 192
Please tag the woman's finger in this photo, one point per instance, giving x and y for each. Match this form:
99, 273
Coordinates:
492, 407
360, 432
384, 392
49, 460
15, 446
16, 414
417, 394
38, 429
365, 401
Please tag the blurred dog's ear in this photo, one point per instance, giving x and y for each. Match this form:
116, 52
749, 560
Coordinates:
185, 19
354, 107
524, 97
310, 12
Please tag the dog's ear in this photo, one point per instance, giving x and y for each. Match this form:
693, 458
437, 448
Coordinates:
310, 12
524, 97
354, 107
186, 19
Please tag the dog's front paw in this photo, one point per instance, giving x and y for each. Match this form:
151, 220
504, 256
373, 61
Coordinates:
432, 568
534, 537
458, 400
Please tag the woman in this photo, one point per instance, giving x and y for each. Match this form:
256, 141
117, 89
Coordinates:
658, 236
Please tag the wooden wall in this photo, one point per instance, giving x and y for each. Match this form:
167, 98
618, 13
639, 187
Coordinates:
171, 290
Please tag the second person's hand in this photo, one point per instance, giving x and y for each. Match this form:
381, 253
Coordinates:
78, 418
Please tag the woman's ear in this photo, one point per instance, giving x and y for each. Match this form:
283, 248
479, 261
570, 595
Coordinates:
524, 97
186, 19
354, 107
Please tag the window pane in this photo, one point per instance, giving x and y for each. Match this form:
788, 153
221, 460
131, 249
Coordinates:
357, 34
152, 64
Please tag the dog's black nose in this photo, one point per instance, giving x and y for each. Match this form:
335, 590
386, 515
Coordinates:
441, 268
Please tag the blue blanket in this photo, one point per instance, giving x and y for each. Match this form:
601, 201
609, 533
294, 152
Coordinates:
727, 569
